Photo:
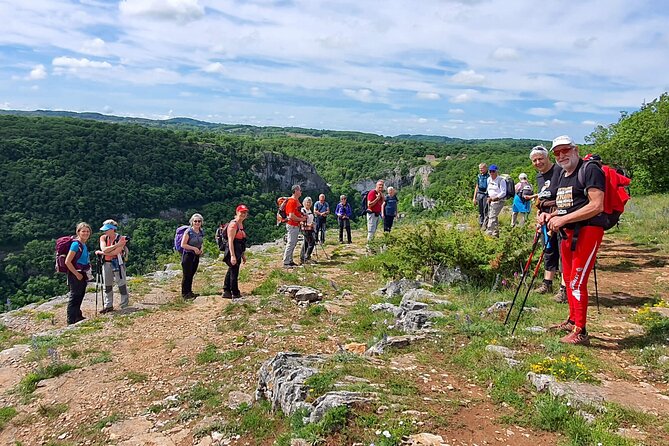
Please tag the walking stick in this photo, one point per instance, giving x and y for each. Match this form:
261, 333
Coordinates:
534, 276
525, 270
594, 270
322, 250
98, 279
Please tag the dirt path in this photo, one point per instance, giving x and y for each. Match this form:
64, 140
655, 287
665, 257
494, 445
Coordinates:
129, 364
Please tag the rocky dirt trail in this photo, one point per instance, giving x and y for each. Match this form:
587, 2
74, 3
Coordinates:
137, 371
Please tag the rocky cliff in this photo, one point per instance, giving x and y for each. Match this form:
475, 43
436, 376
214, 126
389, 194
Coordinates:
279, 172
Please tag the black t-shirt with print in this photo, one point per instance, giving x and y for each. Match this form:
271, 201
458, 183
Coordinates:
547, 182
571, 195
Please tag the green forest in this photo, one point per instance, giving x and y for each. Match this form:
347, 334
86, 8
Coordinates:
151, 175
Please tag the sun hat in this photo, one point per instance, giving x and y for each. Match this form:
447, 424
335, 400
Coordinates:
563, 140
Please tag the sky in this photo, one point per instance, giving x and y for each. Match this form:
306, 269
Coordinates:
466, 69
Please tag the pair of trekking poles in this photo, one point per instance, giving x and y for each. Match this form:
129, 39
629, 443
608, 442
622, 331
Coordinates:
546, 236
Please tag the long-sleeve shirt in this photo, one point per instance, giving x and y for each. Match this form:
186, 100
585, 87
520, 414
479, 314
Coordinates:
343, 210
496, 187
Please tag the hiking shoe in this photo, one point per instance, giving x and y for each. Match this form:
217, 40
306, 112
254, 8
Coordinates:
236, 295
564, 326
544, 288
561, 296
290, 265
227, 295
576, 337
106, 310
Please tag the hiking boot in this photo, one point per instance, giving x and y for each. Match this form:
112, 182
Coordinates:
564, 326
576, 337
236, 295
561, 296
106, 310
544, 288
227, 295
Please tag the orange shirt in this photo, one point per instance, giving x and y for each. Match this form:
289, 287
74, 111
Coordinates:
293, 207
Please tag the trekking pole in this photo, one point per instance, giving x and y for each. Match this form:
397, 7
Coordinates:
534, 276
325, 253
524, 274
98, 268
594, 270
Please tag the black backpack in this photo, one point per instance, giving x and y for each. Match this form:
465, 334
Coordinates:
510, 187
222, 236
363, 202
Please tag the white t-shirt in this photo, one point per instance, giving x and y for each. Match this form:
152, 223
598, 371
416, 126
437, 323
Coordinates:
496, 187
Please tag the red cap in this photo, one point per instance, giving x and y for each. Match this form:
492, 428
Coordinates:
242, 208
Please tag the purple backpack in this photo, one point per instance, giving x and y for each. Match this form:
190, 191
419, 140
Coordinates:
181, 230
62, 248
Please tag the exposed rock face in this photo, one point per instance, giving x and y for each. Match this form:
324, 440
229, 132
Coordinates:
335, 399
279, 172
301, 293
416, 176
443, 275
392, 341
423, 202
411, 315
398, 287
281, 380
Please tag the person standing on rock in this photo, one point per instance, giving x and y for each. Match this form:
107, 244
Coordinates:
344, 212
113, 247
79, 266
547, 177
496, 195
577, 218
191, 243
235, 252
374, 205
481, 195
321, 210
308, 232
389, 209
294, 217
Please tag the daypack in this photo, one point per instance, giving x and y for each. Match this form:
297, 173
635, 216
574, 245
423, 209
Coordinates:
281, 216
522, 197
181, 230
510, 187
363, 202
615, 194
62, 248
222, 236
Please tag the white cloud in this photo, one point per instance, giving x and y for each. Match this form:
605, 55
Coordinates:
96, 47
541, 111
505, 54
489, 122
456, 111
362, 95
256, 92
461, 98
215, 67
175, 10
589, 122
456, 121
422, 120
428, 96
37, 73
72, 63
107, 109
468, 77
4, 105
558, 122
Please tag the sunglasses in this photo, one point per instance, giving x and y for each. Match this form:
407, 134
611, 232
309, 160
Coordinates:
562, 151
197, 221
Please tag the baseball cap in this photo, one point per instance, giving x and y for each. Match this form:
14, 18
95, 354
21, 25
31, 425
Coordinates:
593, 157
563, 140
242, 208
493, 167
107, 227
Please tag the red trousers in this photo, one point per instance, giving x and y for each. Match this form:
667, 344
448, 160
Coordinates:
576, 267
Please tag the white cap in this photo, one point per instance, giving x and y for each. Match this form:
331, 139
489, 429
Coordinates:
522, 176
563, 140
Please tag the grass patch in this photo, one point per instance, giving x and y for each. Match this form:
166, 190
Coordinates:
101, 357
211, 354
314, 433
106, 421
565, 368
203, 395
136, 377
9, 338
52, 410
6, 414
274, 279
29, 382
44, 316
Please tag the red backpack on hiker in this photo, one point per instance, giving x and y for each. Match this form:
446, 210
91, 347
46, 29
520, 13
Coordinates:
615, 194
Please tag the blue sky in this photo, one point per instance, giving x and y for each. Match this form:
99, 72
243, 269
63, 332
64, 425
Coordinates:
468, 68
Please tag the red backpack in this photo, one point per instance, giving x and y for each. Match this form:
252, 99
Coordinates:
281, 216
62, 248
615, 194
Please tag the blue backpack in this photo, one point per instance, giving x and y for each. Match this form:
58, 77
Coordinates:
181, 230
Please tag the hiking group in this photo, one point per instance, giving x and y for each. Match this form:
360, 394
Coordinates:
577, 200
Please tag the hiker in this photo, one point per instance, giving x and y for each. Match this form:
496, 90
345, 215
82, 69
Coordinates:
79, 272
578, 208
521, 200
221, 236
235, 252
481, 195
293, 219
374, 204
344, 212
496, 189
191, 243
113, 247
321, 210
307, 228
389, 209
547, 173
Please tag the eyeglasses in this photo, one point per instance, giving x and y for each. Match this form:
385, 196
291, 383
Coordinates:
197, 221
561, 152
